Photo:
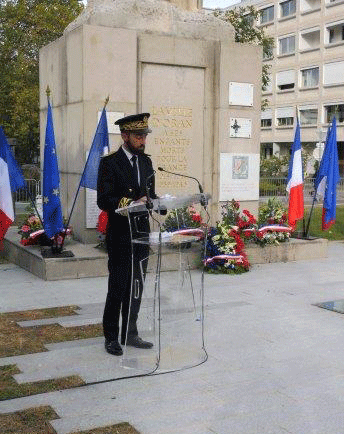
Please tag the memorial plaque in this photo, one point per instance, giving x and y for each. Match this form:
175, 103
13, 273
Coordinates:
176, 143
240, 94
239, 176
240, 127
92, 210
111, 118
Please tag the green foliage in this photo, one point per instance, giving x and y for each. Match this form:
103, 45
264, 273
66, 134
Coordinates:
272, 212
274, 166
26, 26
181, 218
243, 20
335, 232
230, 213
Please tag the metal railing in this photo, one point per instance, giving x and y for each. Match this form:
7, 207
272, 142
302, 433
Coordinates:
33, 189
270, 187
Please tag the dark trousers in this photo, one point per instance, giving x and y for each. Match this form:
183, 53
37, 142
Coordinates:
126, 278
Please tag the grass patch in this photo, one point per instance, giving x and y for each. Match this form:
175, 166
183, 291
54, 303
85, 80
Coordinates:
10, 389
121, 428
334, 233
30, 421
16, 340
36, 421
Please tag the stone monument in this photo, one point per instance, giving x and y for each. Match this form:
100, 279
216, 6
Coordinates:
173, 60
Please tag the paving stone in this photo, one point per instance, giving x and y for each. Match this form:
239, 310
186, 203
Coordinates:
275, 360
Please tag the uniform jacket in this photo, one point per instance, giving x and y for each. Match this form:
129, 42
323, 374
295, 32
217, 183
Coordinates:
116, 180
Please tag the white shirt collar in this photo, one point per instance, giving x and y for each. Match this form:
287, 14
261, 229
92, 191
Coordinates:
127, 153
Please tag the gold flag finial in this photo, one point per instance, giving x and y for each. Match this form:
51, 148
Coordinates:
48, 91
106, 100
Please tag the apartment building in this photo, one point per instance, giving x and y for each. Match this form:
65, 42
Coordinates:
307, 74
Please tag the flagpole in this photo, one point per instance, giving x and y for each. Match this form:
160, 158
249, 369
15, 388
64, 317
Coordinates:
315, 189
313, 202
77, 192
310, 215
304, 232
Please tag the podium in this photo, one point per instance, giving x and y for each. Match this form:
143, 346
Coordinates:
167, 283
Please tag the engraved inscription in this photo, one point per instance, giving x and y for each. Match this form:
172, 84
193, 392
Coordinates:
172, 140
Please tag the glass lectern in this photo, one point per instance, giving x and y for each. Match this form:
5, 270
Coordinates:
167, 287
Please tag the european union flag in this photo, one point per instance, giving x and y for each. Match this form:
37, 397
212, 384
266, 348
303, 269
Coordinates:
328, 177
17, 179
100, 142
52, 213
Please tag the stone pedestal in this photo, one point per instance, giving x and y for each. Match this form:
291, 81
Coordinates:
183, 67
89, 261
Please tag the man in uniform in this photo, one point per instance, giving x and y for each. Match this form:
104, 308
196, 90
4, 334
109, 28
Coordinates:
125, 175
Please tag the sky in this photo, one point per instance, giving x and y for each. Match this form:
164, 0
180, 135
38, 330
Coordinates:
213, 4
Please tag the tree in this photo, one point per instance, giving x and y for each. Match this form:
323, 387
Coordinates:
25, 27
243, 20
274, 166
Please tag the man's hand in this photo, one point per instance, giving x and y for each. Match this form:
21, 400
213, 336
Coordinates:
142, 199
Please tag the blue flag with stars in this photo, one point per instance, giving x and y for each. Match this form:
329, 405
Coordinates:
328, 177
99, 144
52, 213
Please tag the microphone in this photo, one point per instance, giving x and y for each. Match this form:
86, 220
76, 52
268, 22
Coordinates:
149, 203
185, 176
203, 200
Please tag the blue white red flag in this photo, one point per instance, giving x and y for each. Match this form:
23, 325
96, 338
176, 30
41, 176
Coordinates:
99, 145
11, 179
17, 179
328, 177
295, 181
6, 204
52, 212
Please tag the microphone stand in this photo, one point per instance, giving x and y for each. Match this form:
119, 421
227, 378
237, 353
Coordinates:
149, 203
203, 200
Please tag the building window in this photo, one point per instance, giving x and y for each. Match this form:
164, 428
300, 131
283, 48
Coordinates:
267, 15
287, 45
266, 118
266, 123
334, 33
334, 73
310, 77
285, 80
267, 150
285, 116
336, 110
308, 115
288, 8
285, 122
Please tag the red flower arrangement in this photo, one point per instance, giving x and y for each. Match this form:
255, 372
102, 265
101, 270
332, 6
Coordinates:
32, 233
102, 222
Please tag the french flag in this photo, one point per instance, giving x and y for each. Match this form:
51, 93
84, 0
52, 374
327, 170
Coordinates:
6, 204
295, 181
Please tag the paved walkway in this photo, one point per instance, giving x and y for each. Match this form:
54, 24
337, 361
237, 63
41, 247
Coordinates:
276, 361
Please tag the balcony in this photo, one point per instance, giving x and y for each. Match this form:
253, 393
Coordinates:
334, 33
308, 6
310, 39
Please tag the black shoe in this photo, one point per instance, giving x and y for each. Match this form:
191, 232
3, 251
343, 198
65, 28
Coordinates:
137, 342
113, 347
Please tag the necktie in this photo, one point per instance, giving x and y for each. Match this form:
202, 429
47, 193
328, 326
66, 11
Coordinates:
135, 172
